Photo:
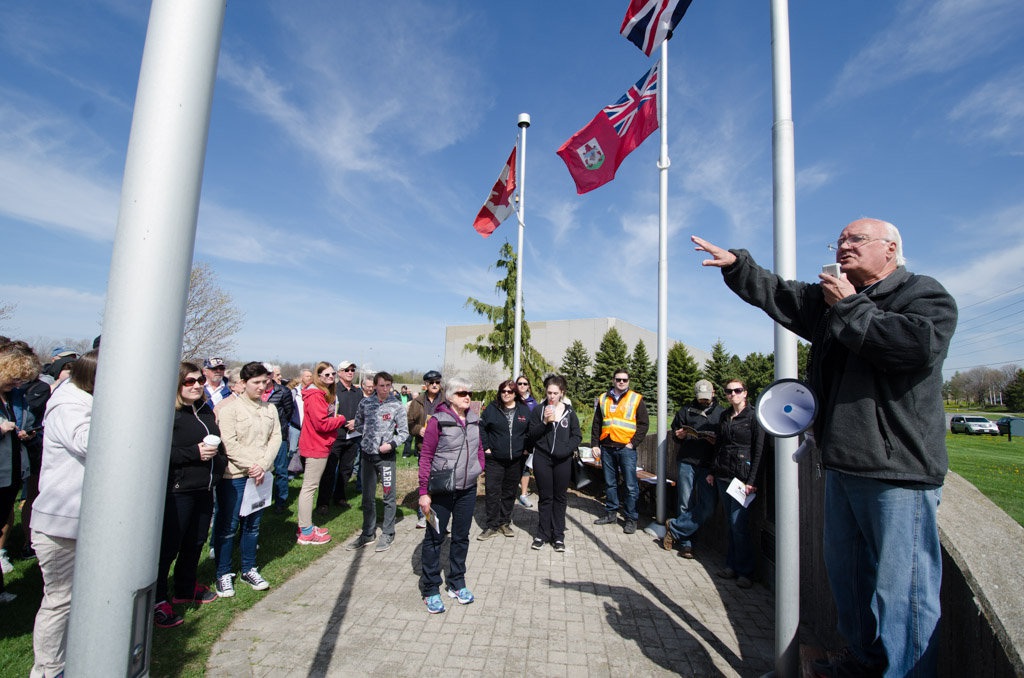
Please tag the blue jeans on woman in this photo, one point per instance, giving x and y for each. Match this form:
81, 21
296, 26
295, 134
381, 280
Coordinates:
459, 508
741, 546
229, 503
884, 565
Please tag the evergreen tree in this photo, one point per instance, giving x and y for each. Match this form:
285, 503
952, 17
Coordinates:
643, 377
1013, 394
499, 344
576, 370
719, 368
757, 371
611, 355
682, 375
803, 354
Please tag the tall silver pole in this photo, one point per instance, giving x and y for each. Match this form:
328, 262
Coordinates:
663, 164
126, 471
787, 500
517, 351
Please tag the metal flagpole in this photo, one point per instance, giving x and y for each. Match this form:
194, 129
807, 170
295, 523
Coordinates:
126, 472
517, 351
787, 499
663, 164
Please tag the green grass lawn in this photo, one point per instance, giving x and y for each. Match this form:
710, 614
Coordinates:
994, 465
183, 651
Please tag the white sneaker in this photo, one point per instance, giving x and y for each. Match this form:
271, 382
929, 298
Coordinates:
421, 524
225, 588
5, 563
524, 501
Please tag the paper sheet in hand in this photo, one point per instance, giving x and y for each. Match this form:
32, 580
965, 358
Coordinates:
434, 521
256, 497
738, 491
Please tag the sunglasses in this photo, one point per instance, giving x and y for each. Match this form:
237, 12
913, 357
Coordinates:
619, 379
192, 381
433, 383
349, 369
522, 383
462, 394
507, 391
327, 374
735, 390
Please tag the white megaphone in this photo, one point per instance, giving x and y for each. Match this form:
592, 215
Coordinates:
786, 408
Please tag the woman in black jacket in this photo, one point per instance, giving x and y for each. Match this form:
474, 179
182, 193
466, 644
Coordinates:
740, 446
195, 467
503, 427
555, 435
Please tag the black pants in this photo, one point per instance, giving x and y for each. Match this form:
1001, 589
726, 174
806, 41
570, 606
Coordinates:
340, 463
501, 486
187, 517
552, 478
7, 496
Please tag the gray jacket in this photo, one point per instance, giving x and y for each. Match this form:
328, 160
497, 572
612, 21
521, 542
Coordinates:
381, 423
876, 367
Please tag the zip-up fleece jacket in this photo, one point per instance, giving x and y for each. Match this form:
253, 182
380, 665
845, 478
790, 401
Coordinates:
876, 367
740, 446
381, 423
696, 452
560, 438
319, 426
451, 442
56, 509
187, 471
251, 433
502, 442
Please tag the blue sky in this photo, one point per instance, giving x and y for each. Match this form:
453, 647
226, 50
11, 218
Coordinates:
351, 145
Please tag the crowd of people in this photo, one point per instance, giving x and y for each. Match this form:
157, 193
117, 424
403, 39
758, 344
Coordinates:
879, 335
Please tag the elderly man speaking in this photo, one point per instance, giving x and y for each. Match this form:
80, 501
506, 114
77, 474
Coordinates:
879, 335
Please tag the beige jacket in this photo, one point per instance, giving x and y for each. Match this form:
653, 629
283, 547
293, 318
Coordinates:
251, 432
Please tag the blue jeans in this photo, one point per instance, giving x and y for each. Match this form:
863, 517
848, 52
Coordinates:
229, 503
884, 565
281, 475
741, 546
613, 461
459, 508
696, 502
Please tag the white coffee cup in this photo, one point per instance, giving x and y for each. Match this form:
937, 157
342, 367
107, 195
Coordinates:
211, 440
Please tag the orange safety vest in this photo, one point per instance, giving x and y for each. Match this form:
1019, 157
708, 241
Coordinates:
618, 420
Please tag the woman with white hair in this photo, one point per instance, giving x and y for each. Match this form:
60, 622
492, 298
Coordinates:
452, 446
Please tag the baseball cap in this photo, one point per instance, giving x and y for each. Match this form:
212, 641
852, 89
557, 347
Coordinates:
704, 389
211, 363
345, 363
432, 375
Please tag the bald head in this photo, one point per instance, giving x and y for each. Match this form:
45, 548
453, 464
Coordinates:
869, 251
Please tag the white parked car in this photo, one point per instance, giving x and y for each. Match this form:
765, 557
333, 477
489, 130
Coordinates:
972, 425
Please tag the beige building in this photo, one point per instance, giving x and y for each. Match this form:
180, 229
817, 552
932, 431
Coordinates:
551, 338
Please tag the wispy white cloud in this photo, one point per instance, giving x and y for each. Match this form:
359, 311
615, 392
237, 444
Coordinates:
995, 262
927, 37
994, 112
49, 310
810, 179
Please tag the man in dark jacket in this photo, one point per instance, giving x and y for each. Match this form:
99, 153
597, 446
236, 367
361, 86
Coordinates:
694, 428
879, 335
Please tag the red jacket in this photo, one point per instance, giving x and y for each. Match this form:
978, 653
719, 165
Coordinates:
319, 428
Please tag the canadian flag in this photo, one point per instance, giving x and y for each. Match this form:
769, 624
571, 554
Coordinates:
499, 203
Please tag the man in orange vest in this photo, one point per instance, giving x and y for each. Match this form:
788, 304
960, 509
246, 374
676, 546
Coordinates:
620, 423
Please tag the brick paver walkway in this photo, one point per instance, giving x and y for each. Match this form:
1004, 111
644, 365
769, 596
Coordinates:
611, 605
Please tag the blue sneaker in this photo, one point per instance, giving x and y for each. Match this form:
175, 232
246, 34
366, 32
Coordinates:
463, 595
434, 604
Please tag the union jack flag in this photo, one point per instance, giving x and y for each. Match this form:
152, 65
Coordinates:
637, 101
648, 23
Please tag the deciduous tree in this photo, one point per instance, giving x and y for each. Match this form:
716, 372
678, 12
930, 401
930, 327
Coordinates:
211, 318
